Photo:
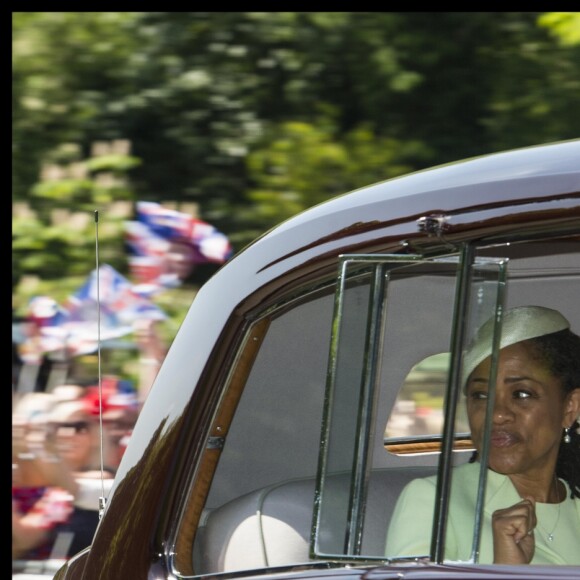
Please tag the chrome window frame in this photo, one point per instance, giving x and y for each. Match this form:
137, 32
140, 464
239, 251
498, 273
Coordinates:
465, 260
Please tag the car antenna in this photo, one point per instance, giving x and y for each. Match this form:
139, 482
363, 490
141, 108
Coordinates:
102, 499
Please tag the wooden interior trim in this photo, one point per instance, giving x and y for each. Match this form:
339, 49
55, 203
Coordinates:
413, 447
204, 474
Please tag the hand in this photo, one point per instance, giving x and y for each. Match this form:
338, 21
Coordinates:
513, 533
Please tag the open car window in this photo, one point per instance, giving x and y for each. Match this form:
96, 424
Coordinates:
342, 395
392, 314
418, 411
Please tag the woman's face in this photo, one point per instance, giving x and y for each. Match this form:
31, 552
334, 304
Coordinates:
529, 413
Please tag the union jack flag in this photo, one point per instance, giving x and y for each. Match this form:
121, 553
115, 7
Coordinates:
150, 239
120, 305
76, 327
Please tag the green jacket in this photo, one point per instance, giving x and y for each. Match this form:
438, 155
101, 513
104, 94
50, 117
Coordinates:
410, 528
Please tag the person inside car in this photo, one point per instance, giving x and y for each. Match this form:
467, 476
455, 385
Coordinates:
532, 507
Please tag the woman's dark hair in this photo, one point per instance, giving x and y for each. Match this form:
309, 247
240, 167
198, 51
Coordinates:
560, 351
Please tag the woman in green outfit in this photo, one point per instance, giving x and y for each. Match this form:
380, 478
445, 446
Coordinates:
532, 501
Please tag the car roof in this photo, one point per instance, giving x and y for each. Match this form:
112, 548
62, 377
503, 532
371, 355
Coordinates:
370, 218
508, 178
511, 177
557, 161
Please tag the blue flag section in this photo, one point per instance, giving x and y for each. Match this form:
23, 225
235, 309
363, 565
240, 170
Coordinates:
120, 304
74, 328
165, 245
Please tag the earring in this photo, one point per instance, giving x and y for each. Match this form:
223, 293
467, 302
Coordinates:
567, 437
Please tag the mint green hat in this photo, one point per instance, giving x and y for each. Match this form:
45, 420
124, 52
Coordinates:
519, 323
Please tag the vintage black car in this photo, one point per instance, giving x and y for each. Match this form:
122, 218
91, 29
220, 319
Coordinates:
318, 371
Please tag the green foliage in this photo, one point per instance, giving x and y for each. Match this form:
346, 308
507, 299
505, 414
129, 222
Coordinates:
564, 25
117, 163
255, 116
301, 165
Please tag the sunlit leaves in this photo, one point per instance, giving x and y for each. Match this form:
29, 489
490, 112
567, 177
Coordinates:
565, 25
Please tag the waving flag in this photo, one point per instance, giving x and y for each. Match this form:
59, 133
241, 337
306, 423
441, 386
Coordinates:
120, 305
165, 245
74, 328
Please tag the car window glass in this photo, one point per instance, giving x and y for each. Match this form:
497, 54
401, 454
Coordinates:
397, 326
269, 456
415, 423
418, 409
392, 316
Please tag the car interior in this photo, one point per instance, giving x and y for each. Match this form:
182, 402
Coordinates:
329, 427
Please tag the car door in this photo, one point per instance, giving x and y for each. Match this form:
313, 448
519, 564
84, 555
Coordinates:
307, 457
392, 315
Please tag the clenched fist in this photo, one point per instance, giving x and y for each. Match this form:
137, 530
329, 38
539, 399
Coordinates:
513, 537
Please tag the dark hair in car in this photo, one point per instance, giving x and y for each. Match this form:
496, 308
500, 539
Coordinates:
560, 351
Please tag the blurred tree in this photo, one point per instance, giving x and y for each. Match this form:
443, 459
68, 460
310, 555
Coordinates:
564, 25
302, 165
257, 115
536, 85
67, 69
52, 241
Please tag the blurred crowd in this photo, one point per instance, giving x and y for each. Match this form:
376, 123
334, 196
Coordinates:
69, 436
63, 462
